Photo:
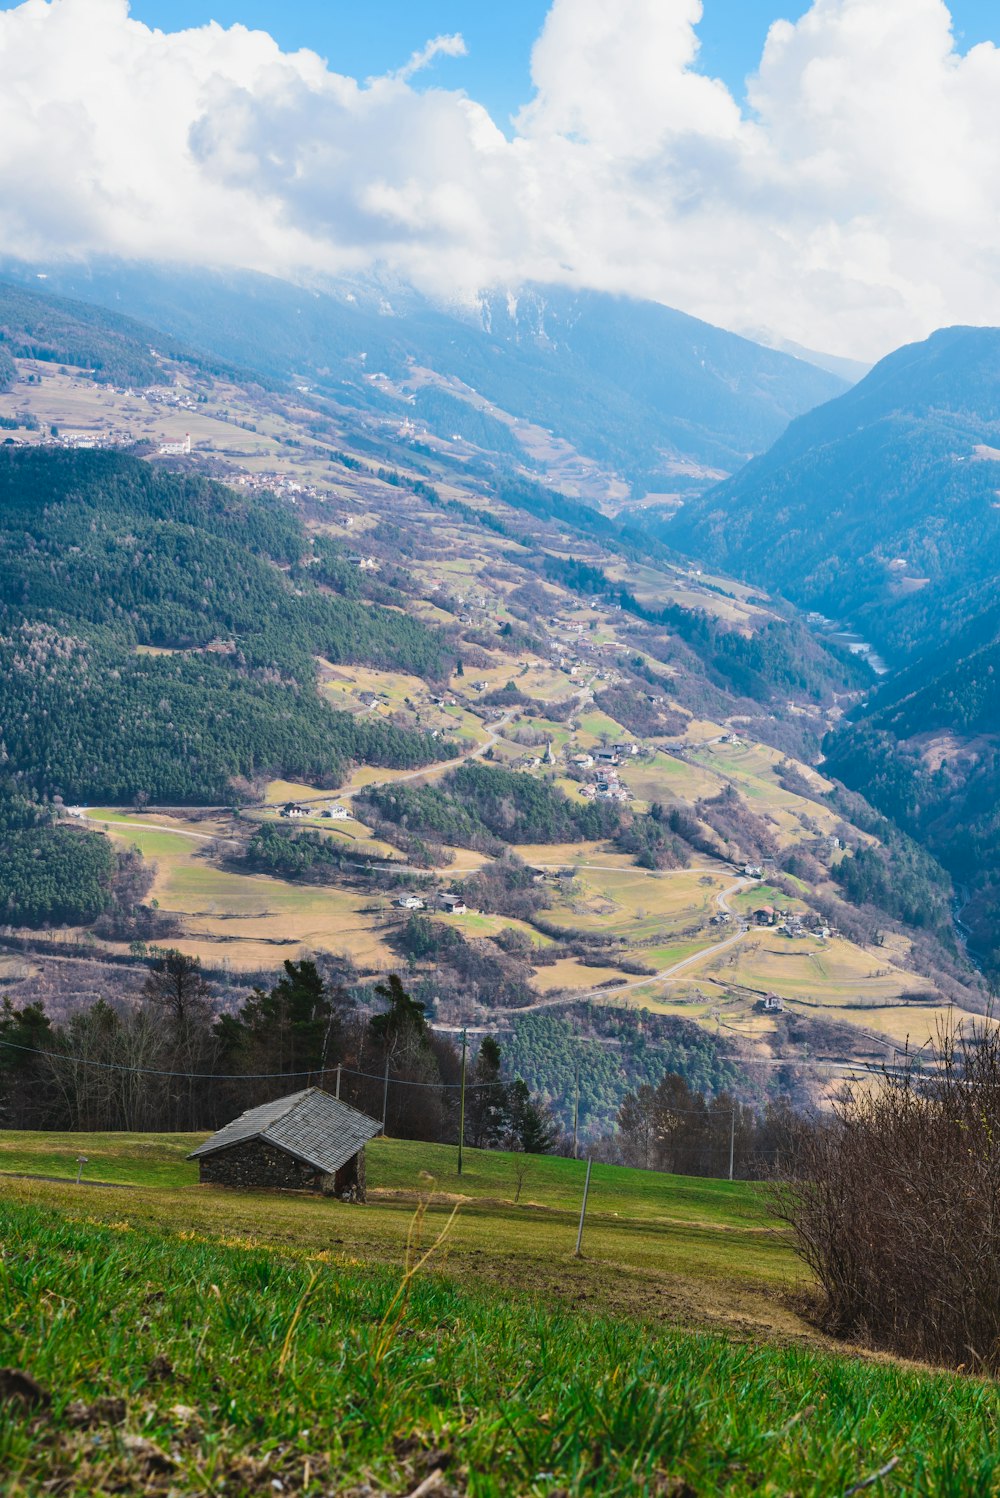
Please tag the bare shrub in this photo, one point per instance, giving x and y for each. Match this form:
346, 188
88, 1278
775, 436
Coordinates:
895, 1206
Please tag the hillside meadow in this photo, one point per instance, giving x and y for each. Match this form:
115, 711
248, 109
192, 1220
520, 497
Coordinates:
183, 1339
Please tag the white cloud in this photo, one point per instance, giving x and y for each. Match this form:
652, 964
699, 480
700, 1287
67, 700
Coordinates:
439, 46
857, 205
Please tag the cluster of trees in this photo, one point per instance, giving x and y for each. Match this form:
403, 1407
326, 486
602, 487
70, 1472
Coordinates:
661, 840
55, 876
477, 969
507, 886
742, 833
50, 873
634, 711
601, 1055
900, 879
307, 856
484, 807
86, 722
167, 1060
892, 1203
675, 1128
100, 555
511, 695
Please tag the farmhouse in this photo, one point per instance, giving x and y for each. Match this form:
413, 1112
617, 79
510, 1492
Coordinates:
306, 1141
453, 904
410, 902
293, 809
336, 812
771, 1004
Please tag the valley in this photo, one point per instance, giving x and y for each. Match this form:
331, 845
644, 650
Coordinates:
668, 719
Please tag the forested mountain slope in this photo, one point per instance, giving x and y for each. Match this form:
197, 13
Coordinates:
57, 330
880, 507
653, 396
927, 753
153, 645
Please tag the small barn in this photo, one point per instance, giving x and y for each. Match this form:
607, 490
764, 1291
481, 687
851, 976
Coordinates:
307, 1141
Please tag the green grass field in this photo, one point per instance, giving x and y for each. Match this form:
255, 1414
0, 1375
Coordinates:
192, 1340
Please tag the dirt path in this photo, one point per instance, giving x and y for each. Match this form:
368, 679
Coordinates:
83, 815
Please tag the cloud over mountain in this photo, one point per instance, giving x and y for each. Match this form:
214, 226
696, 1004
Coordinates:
855, 206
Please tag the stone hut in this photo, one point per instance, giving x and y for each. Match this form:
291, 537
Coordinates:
307, 1141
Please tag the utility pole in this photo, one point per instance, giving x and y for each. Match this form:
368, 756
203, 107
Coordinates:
461, 1105
576, 1109
339, 1070
732, 1141
385, 1097
583, 1212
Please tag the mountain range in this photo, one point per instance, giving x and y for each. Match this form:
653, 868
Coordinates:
608, 397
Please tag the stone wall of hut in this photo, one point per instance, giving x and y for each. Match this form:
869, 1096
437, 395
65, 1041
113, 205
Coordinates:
256, 1163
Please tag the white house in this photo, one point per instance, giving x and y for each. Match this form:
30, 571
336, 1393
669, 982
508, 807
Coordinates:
410, 902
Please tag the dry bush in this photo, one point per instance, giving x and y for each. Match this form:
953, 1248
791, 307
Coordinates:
895, 1206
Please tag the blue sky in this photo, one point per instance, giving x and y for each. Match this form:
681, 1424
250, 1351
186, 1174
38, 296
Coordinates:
375, 35
365, 37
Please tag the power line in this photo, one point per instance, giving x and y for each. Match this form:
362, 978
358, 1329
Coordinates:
242, 1076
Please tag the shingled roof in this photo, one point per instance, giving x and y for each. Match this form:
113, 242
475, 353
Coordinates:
316, 1128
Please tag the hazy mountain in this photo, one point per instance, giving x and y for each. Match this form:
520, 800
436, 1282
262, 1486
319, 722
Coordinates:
880, 507
850, 370
656, 398
35, 324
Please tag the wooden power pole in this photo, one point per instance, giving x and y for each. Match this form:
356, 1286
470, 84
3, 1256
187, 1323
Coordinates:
583, 1212
461, 1105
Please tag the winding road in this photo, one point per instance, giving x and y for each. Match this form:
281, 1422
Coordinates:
668, 972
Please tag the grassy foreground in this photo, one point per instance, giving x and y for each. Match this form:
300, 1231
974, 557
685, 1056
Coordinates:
190, 1340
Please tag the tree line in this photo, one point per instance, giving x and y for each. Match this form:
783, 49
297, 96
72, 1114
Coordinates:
164, 1060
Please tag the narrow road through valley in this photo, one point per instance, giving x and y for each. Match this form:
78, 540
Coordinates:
668, 972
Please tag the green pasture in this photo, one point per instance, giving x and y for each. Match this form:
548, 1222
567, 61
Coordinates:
193, 1340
